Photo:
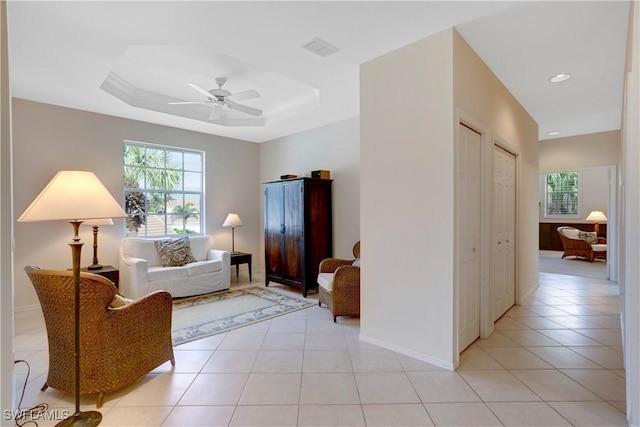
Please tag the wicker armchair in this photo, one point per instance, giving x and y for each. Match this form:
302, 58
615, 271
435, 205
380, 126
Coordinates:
118, 345
574, 245
339, 285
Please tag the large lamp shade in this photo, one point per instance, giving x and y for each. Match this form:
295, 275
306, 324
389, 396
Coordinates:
597, 217
73, 195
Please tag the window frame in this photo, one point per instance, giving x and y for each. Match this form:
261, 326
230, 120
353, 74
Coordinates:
575, 192
137, 224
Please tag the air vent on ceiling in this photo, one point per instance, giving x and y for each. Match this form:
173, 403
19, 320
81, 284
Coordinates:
320, 47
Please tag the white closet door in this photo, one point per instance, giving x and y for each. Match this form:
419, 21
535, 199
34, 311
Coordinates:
469, 238
504, 231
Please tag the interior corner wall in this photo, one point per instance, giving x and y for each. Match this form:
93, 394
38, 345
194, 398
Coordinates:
579, 152
48, 138
6, 231
406, 200
336, 148
480, 94
628, 213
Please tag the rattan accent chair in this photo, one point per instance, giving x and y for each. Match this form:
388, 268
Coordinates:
575, 246
118, 345
339, 285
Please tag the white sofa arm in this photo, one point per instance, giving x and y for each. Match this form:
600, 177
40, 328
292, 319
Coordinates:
133, 271
225, 257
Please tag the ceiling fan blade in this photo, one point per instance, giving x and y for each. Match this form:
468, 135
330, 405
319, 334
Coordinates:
243, 96
244, 108
216, 112
189, 102
200, 89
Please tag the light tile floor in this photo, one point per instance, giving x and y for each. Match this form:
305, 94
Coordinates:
555, 360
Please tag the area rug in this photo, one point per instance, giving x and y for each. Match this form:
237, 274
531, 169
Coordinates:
206, 315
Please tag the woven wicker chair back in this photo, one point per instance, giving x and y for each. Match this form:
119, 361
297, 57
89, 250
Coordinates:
117, 345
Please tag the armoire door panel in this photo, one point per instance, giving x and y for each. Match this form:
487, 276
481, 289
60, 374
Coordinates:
273, 232
293, 232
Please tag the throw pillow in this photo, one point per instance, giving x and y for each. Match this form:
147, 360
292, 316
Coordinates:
356, 262
589, 236
174, 253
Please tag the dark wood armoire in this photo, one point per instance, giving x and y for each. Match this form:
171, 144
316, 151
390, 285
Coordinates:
297, 230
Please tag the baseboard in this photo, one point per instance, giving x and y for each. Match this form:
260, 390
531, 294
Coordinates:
531, 291
408, 352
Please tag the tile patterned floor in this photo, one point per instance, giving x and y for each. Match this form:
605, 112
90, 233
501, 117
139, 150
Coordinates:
555, 360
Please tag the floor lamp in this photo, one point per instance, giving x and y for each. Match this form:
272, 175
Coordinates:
71, 195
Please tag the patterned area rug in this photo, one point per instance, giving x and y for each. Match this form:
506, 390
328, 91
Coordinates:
206, 315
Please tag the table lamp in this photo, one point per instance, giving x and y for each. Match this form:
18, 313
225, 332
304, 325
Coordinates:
96, 223
71, 195
596, 217
233, 221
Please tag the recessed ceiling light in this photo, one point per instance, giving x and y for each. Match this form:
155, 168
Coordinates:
560, 78
554, 133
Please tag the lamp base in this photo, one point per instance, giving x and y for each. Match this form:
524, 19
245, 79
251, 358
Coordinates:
94, 267
82, 419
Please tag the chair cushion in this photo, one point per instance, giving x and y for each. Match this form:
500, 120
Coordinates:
137, 247
599, 248
200, 246
589, 236
571, 233
356, 262
120, 301
159, 273
175, 252
202, 267
325, 281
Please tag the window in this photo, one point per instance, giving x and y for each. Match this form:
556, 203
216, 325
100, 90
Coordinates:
562, 194
163, 190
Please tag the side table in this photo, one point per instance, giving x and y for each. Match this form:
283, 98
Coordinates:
238, 258
108, 271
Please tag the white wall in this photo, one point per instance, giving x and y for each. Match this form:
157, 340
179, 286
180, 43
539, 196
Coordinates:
6, 229
336, 148
579, 152
407, 199
629, 212
479, 93
407, 191
48, 138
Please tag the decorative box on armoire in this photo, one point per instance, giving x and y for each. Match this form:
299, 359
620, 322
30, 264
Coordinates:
297, 230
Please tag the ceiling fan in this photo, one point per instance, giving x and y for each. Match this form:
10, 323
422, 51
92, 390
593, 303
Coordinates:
219, 98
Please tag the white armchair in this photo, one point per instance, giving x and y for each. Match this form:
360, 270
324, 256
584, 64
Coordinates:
141, 270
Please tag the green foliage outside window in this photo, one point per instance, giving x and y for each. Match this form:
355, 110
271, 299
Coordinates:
163, 189
562, 194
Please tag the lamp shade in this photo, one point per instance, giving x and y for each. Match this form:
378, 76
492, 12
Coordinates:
99, 222
233, 220
73, 195
596, 216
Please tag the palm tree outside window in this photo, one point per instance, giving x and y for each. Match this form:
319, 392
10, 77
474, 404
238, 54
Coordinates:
163, 189
562, 194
